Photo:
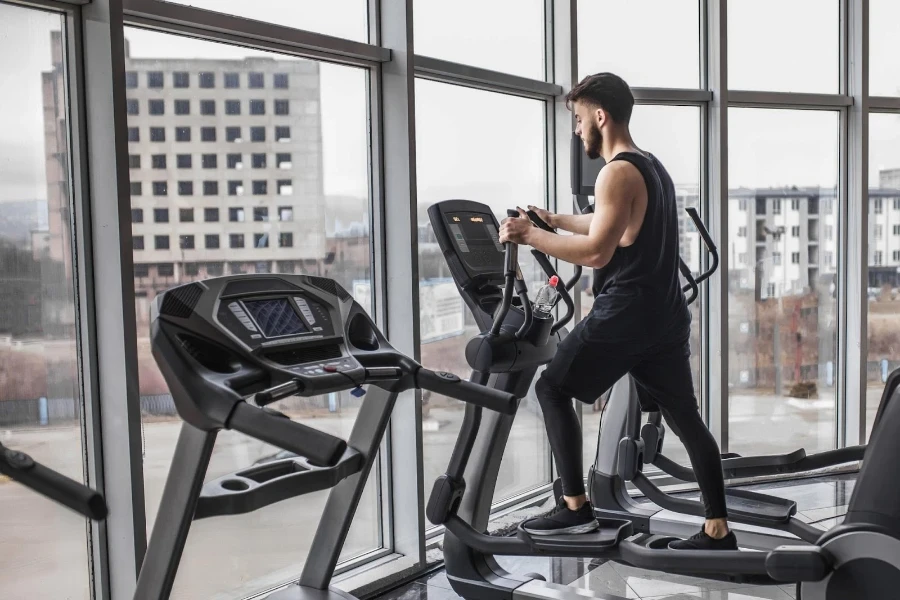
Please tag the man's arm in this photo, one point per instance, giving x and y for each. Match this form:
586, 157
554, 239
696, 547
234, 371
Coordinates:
615, 191
580, 224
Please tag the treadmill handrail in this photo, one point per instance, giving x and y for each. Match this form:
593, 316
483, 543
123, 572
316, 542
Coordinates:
448, 384
280, 431
51, 484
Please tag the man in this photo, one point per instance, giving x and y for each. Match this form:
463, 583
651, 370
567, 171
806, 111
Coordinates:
639, 322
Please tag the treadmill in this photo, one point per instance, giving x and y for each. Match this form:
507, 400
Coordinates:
228, 348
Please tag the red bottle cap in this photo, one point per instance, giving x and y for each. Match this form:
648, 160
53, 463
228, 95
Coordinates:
554, 281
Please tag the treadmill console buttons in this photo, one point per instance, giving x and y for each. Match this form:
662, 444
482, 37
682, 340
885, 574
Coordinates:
238, 312
303, 305
336, 366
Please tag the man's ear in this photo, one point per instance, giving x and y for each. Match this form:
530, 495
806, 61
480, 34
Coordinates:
601, 116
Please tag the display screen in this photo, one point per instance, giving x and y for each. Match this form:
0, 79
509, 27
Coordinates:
468, 229
276, 317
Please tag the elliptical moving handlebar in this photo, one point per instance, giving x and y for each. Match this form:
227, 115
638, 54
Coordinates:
707, 239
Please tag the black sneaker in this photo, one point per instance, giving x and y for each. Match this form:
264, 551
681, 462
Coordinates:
563, 521
701, 541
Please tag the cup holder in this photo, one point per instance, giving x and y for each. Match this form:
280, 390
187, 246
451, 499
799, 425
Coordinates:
235, 485
361, 333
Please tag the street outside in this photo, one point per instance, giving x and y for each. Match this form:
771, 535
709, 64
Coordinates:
230, 557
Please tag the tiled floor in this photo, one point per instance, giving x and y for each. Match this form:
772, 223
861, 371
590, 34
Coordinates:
821, 501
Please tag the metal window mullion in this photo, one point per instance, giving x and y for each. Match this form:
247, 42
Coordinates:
884, 103
394, 124
84, 298
207, 24
855, 228
670, 96
717, 201
63, 6
562, 19
378, 283
757, 99
705, 293
114, 362
446, 71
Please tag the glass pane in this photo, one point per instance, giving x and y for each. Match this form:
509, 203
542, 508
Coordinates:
501, 35
884, 256
456, 133
649, 43
672, 134
783, 256
341, 18
305, 210
796, 52
884, 48
40, 391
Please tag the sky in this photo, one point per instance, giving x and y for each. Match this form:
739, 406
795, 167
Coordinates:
479, 143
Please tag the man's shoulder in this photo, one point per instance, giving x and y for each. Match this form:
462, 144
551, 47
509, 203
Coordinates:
619, 174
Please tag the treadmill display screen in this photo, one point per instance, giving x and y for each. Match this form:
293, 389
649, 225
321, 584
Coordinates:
276, 317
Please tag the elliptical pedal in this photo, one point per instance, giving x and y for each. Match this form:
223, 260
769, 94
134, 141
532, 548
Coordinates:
609, 534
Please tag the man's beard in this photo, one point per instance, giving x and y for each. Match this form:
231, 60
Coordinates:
593, 147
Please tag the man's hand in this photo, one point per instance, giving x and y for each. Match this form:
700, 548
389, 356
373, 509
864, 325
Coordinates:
516, 229
545, 215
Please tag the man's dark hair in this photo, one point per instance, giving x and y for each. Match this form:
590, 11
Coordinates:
607, 91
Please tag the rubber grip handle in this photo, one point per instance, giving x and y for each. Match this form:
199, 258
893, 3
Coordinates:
452, 386
278, 430
55, 486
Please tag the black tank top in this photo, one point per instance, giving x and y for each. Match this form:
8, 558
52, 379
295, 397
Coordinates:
649, 267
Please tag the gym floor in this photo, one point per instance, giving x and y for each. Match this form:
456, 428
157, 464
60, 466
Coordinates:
821, 501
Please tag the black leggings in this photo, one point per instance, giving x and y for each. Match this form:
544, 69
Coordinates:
585, 368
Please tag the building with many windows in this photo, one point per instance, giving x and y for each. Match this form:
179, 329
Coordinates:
226, 173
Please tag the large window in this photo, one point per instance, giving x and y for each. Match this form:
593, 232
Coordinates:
456, 134
501, 35
646, 42
884, 48
330, 189
340, 18
884, 275
796, 52
672, 134
782, 316
40, 389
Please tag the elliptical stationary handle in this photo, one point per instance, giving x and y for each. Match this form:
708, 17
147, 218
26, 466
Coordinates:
542, 260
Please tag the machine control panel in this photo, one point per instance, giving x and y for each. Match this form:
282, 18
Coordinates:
469, 237
323, 368
272, 320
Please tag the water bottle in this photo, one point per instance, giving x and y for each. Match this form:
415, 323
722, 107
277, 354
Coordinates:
546, 296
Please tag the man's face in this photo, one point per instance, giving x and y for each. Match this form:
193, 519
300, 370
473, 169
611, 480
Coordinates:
587, 129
